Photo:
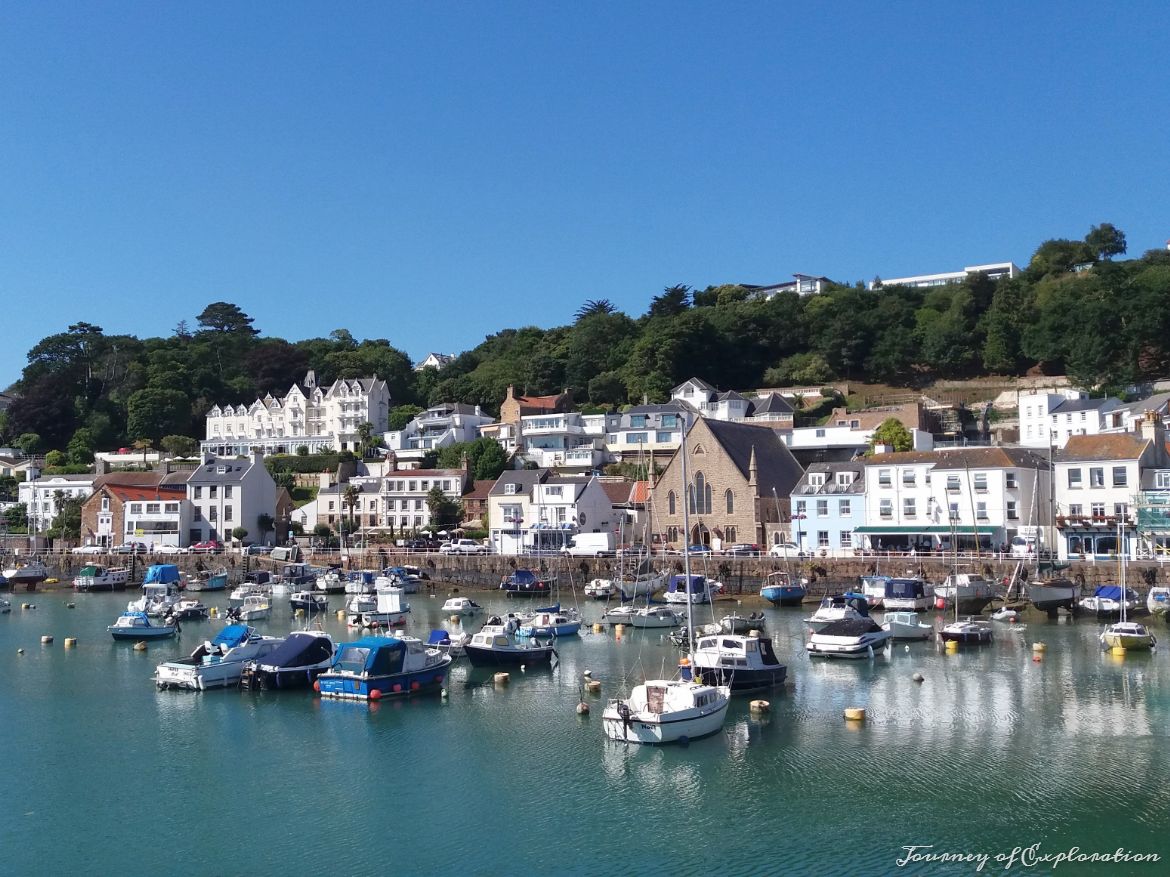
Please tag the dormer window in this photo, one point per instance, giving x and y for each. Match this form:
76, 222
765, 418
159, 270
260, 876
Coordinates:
816, 479
844, 479
510, 489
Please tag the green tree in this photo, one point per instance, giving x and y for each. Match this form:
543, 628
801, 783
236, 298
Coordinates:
491, 462
9, 488
401, 415
444, 510
180, 445
800, 368
81, 447
29, 443
350, 497
594, 306
224, 318
153, 413
892, 434
67, 523
54, 459
302, 450
15, 518
240, 534
1106, 240
672, 302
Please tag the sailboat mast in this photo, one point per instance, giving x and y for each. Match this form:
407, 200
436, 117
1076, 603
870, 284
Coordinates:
686, 542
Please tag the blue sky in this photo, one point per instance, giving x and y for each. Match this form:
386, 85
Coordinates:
433, 172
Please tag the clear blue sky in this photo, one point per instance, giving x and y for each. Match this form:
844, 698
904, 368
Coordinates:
433, 172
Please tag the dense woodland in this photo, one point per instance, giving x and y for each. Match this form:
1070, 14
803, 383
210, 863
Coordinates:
1102, 324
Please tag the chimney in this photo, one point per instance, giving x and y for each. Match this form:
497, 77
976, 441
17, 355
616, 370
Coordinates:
391, 462
257, 457
1152, 429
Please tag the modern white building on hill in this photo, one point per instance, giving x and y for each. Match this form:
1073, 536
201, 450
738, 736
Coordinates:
437, 427
319, 418
993, 271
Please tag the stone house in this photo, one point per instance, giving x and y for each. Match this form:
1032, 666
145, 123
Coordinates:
514, 407
741, 477
155, 515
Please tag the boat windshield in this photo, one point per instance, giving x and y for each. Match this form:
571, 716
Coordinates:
352, 659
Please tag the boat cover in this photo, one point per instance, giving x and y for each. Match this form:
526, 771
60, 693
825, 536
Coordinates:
679, 583
233, 635
300, 650
94, 571
523, 577
376, 655
141, 615
849, 627
161, 574
905, 588
439, 638
1108, 592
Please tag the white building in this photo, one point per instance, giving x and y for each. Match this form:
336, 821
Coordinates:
435, 361
709, 402
566, 441
927, 500
42, 496
1050, 417
536, 511
226, 493
438, 427
648, 431
994, 271
801, 284
320, 419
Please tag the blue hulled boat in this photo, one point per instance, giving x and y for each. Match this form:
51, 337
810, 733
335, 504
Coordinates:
526, 583
136, 626
550, 621
779, 590
375, 667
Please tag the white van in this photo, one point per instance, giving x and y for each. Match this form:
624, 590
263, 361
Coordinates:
589, 545
1023, 546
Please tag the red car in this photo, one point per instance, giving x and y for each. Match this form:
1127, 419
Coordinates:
208, 547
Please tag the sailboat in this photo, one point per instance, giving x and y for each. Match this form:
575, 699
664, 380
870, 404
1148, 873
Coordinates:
1055, 591
967, 631
670, 710
1126, 634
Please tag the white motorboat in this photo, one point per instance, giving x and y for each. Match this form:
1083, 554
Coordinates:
360, 582
1108, 600
136, 626
971, 591
188, 610
744, 663
646, 583
601, 589
216, 663
331, 581
386, 608
551, 621
691, 589
969, 631
1006, 614
308, 601
157, 599
1158, 600
906, 625
452, 642
461, 606
839, 607
254, 607
249, 589
848, 638
648, 617
100, 578
907, 594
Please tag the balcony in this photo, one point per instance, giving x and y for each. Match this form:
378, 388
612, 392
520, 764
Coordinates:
1102, 522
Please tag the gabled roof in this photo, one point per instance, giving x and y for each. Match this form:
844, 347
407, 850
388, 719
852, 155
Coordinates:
209, 473
480, 489
136, 493
1069, 406
640, 495
672, 407
1109, 446
524, 478
773, 403
698, 382
1140, 406
618, 491
731, 395
778, 469
964, 458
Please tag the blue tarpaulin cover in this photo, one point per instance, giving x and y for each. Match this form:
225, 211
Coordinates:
161, 574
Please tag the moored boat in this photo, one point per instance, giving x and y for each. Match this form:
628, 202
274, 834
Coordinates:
451, 643
601, 589
158, 598
189, 610
28, 575
1128, 635
137, 626
848, 638
690, 589
208, 580
386, 608
906, 626
94, 577
491, 646
906, 594
779, 590
216, 663
296, 663
968, 631
526, 583
254, 607
743, 663
550, 621
1109, 601
461, 606
308, 601
375, 667
1051, 595
1158, 600
738, 623
971, 591
839, 607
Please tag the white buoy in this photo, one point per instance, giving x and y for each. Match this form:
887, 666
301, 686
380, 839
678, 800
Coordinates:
46, 640
501, 678
582, 709
70, 642
760, 706
594, 686
443, 693
918, 677
587, 673
855, 714
20, 651
140, 646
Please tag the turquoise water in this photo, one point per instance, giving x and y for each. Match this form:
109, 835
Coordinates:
104, 774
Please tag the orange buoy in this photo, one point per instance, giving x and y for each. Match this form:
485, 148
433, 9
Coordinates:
317, 686
375, 694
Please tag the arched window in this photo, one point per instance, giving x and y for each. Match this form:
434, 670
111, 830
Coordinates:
700, 500
670, 503
730, 502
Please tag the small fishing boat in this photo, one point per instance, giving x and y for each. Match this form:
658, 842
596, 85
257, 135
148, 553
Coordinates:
248, 589
779, 590
100, 578
667, 711
1128, 635
526, 583
971, 591
189, 610
137, 626
652, 617
452, 643
360, 582
1158, 600
28, 574
304, 656
874, 588
906, 594
375, 667
1051, 595
906, 625
642, 584
216, 663
848, 638
744, 663
492, 646
309, 601
254, 607
206, 580
737, 623
330, 581
409, 578
690, 589
601, 589
461, 606
968, 631
550, 621
157, 600
386, 608
839, 607
1107, 601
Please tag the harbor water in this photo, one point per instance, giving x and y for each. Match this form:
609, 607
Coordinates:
992, 751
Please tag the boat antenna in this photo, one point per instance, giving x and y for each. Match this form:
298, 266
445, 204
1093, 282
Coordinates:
686, 543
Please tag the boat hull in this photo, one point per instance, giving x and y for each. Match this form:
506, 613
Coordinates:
349, 687
743, 680
481, 657
285, 677
848, 647
139, 633
1049, 598
649, 732
788, 595
967, 638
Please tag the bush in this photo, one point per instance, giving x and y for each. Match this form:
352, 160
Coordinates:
309, 463
302, 450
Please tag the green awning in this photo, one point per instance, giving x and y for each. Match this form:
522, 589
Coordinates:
935, 530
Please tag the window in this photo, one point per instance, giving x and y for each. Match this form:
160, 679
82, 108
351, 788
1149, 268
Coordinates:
952, 483
846, 538
554, 491
981, 482
153, 508
663, 438
672, 534
886, 508
227, 491
330, 505
636, 438
418, 505
700, 500
212, 514
425, 484
820, 433
844, 479
1083, 413
669, 421
510, 489
816, 479
1097, 509
1076, 510
1012, 513
198, 494
845, 507
822, 508
1097, 476
729, 498
1074, 479
172, 508
413, 486
884, 479
129, 527
1119, 476
227, 513
1121, 509
822, 538
981, 511
909, 508
212, 490
670, 504
800, 506
637, 421
954, 511
729, 533
1010, 480
135, 508
105, 503
1162, 480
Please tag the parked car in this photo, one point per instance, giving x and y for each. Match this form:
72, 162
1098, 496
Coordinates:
170, 549
131, 548
637, 549
422, 544
211, 546
700, 549
742, 549
90, 549
785, 549
463, 546
256, 549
